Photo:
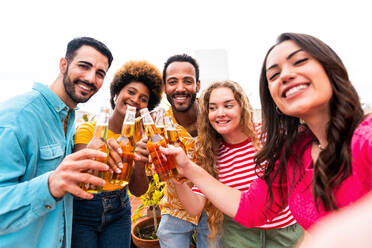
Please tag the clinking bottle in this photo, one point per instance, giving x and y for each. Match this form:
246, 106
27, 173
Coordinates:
159, 122
98, 142
174, 139
164, 166
172, 134
127, 145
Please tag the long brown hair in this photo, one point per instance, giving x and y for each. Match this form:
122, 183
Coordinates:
209, 140
334, 163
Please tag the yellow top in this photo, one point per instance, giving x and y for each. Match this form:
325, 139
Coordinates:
84, 134
170, 203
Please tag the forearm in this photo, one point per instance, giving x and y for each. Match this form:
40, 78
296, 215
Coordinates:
138, 183
223, 197
192, 202
23, 203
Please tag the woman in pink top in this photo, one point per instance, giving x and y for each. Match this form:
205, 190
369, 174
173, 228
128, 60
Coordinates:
319, 143
228, 142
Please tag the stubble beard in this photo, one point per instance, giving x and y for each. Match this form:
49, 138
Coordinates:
187, 108
69, 86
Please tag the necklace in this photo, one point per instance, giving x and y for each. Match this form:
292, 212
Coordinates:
317, 143
320, 147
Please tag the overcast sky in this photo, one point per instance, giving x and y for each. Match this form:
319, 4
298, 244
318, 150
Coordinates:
34, 35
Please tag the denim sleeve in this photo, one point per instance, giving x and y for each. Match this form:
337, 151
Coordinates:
21, 201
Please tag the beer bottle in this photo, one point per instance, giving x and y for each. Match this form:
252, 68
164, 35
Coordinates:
172, 134
164, 166
127, 145
98, 142
159, 122
174, 138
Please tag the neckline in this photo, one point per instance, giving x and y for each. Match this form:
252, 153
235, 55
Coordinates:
245, 142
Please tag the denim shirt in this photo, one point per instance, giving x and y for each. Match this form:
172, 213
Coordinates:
32, 144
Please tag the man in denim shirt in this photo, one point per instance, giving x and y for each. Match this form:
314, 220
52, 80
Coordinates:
37, 174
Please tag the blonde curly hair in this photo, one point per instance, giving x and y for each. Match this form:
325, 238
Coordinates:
209, 141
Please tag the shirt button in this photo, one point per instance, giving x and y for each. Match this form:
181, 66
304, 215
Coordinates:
48, 207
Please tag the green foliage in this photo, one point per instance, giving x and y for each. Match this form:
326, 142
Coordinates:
87, 117
151, 198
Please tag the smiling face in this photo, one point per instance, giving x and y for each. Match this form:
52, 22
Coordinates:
297, 82
83, 76
224, 114
181, 86
135, 94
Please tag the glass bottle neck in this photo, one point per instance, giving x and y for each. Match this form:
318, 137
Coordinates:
129, 122
100, 131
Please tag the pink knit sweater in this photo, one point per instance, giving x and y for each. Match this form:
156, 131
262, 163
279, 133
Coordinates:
253, 210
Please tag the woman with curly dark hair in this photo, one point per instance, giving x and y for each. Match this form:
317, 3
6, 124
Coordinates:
105, 220
317, 154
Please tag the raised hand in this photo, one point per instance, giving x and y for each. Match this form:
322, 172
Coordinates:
182, 160
141, 154
72, 171
114, 159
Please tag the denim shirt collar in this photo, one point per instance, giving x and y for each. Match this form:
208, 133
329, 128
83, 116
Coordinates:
52, 98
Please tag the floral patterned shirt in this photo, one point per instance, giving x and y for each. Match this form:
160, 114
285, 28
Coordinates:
170, 204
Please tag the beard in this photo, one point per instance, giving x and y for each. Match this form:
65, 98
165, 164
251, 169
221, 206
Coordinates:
70, 88
182, 108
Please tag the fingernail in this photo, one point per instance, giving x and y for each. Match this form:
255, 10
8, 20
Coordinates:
120, 150
120, 164
118, 171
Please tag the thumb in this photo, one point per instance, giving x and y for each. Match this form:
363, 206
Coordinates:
136, 156
167, 150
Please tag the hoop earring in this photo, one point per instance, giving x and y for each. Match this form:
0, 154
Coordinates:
278, 110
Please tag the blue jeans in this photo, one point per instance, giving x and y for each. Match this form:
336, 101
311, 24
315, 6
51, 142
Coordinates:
104, 221
174, 232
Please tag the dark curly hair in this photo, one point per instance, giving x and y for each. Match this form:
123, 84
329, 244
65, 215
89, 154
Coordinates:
181, 58
333, 165
140, 71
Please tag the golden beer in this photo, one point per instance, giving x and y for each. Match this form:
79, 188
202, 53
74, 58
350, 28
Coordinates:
159, 123
127, 145
98, 142
174, 138
164, 166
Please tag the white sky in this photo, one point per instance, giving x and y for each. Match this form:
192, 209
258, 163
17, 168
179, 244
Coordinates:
34, 35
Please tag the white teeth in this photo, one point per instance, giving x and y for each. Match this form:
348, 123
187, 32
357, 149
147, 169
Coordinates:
180, 97
84, 86
295, 89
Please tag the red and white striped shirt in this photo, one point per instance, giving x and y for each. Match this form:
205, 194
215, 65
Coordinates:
236, 169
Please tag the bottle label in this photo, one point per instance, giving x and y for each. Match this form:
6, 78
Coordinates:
147, 120
130, 116
169, 124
